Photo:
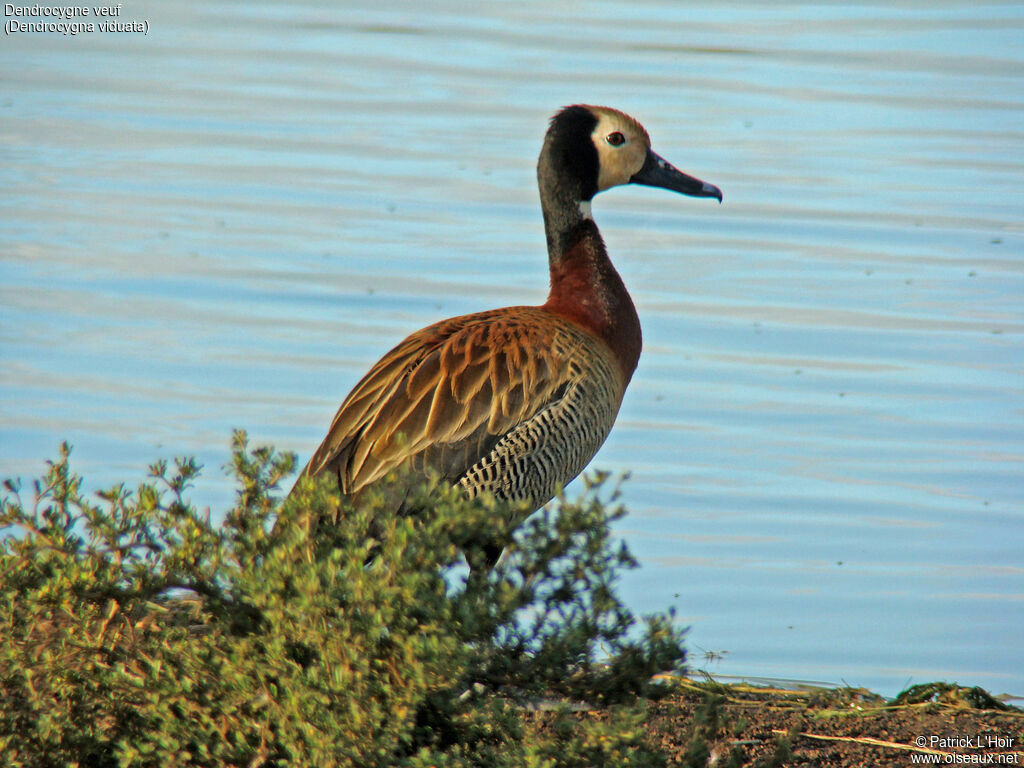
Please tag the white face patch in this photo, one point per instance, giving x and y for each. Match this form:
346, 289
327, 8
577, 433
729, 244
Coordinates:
619, 162
585, 211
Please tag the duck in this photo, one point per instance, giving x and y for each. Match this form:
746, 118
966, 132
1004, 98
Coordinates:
515, 402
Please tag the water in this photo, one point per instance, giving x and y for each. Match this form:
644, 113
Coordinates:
224, 222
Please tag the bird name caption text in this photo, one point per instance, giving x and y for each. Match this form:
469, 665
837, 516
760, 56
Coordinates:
69, 19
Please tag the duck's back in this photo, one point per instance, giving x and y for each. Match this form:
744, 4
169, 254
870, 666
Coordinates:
514, 402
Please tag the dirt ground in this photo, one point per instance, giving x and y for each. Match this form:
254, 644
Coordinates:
707, 724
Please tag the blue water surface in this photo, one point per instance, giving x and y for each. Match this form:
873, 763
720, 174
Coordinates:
224, 222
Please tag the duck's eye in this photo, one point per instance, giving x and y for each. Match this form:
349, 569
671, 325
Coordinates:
616, 139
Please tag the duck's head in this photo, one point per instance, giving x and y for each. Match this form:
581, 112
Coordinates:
589, 149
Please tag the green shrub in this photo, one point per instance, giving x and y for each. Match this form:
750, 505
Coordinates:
137, 631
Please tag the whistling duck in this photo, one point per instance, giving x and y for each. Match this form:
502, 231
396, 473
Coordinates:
516, 401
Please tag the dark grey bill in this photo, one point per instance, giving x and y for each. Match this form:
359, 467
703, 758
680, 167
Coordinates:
658, 172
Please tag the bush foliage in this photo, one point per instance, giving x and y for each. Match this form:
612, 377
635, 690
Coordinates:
137, 631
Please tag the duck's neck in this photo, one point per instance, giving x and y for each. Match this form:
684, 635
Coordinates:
585, 287
563, 214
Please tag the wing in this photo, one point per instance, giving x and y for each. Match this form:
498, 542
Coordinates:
443, 397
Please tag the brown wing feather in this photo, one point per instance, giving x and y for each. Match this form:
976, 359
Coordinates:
442, 397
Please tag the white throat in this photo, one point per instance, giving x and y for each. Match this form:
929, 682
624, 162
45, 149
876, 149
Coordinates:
585, 210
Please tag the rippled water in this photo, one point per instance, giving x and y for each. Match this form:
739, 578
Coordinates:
225, 222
